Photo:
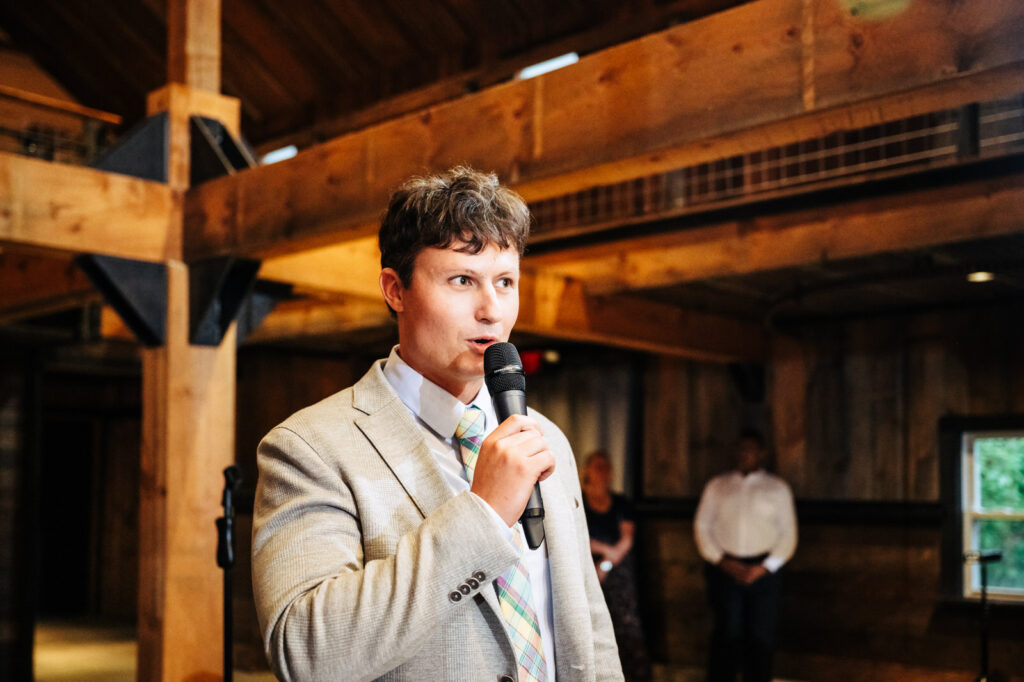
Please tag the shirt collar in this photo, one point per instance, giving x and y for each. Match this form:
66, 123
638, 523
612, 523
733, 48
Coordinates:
434, 406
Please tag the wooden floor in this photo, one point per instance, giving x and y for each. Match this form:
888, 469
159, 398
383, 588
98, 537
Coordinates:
71, 651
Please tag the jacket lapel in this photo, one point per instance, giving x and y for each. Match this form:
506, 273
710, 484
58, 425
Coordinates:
399, 440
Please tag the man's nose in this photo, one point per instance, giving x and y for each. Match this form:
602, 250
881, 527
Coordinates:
488, 306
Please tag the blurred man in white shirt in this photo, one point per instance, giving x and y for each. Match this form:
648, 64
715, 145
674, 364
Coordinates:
745, 529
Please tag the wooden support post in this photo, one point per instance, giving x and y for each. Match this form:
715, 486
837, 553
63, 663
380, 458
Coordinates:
188, 440
188, 402
193, 43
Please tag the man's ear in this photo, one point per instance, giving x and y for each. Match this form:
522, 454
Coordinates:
392, 289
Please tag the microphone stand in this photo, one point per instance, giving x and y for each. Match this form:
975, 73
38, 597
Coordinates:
984, 558
226, 557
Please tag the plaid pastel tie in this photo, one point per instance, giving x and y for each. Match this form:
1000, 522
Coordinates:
513, 586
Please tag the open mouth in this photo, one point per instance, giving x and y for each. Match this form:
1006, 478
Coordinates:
483, 341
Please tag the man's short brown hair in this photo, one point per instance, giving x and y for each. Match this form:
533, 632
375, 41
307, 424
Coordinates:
459, 206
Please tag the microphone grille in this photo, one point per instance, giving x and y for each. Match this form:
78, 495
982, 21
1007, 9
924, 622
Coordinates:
500, 355
496, 357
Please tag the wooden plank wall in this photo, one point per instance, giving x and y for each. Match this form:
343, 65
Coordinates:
587, 394
693, 412
854, 409
15, 608
873, 393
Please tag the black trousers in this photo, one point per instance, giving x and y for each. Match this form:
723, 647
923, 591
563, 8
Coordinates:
744, 632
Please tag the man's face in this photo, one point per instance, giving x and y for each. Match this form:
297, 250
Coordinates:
456, 305
749, 455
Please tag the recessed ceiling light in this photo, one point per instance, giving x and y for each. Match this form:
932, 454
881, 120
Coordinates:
980, 276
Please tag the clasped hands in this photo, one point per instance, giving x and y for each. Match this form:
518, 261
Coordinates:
745, 574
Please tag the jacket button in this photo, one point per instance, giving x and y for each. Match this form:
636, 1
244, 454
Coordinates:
506, 678
480, 575
464, 588
455, 596
473, 582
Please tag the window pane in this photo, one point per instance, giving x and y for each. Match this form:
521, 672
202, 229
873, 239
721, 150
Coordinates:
1009, 537
1000, 463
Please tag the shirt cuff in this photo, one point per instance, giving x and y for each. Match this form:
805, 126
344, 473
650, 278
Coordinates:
773, 563
499, 522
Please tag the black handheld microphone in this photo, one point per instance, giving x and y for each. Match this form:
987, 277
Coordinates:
506, 382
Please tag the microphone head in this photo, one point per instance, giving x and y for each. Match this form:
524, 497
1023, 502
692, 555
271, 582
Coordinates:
503, 370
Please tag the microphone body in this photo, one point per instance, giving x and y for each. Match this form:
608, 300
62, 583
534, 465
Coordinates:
506, 382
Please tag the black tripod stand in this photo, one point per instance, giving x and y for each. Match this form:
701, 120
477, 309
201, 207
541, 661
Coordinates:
226, 556
984, 558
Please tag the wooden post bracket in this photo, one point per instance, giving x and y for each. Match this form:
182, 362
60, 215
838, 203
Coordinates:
217, 289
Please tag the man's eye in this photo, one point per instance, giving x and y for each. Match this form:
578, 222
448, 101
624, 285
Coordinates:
505, 282
461, 280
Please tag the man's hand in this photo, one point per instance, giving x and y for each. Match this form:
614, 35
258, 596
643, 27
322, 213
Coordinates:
742, 573
512, 459
755, 573
737, 570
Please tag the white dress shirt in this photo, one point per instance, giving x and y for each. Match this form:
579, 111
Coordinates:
746, 515
438, 412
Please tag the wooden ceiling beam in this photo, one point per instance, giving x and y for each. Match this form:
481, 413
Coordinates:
909, 220
81, 210
653, 17
31, 285
550, 305
305, 318
350, 268
780, 69
561, 308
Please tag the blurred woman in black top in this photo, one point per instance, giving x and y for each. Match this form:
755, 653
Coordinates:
610, 519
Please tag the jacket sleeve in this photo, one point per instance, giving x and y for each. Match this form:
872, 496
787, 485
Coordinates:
325, 613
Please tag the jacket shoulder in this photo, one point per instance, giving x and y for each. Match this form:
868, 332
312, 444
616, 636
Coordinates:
340, 410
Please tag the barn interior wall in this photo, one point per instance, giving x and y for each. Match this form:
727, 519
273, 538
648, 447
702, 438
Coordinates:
851, 406
854, 408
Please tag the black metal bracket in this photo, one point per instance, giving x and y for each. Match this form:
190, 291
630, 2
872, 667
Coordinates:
264, 296
214, 151
137, 290
142, 152
217, 289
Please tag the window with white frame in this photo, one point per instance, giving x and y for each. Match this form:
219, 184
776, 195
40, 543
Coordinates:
992, 495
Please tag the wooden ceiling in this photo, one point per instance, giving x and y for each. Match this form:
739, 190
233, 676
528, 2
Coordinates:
309, 70
779, 162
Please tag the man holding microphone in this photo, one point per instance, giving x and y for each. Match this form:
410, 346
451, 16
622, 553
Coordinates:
386, 541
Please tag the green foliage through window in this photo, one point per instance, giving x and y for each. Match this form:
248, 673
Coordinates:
999, 466
1000, 462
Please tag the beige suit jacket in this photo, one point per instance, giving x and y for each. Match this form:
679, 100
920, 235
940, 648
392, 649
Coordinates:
359, 548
